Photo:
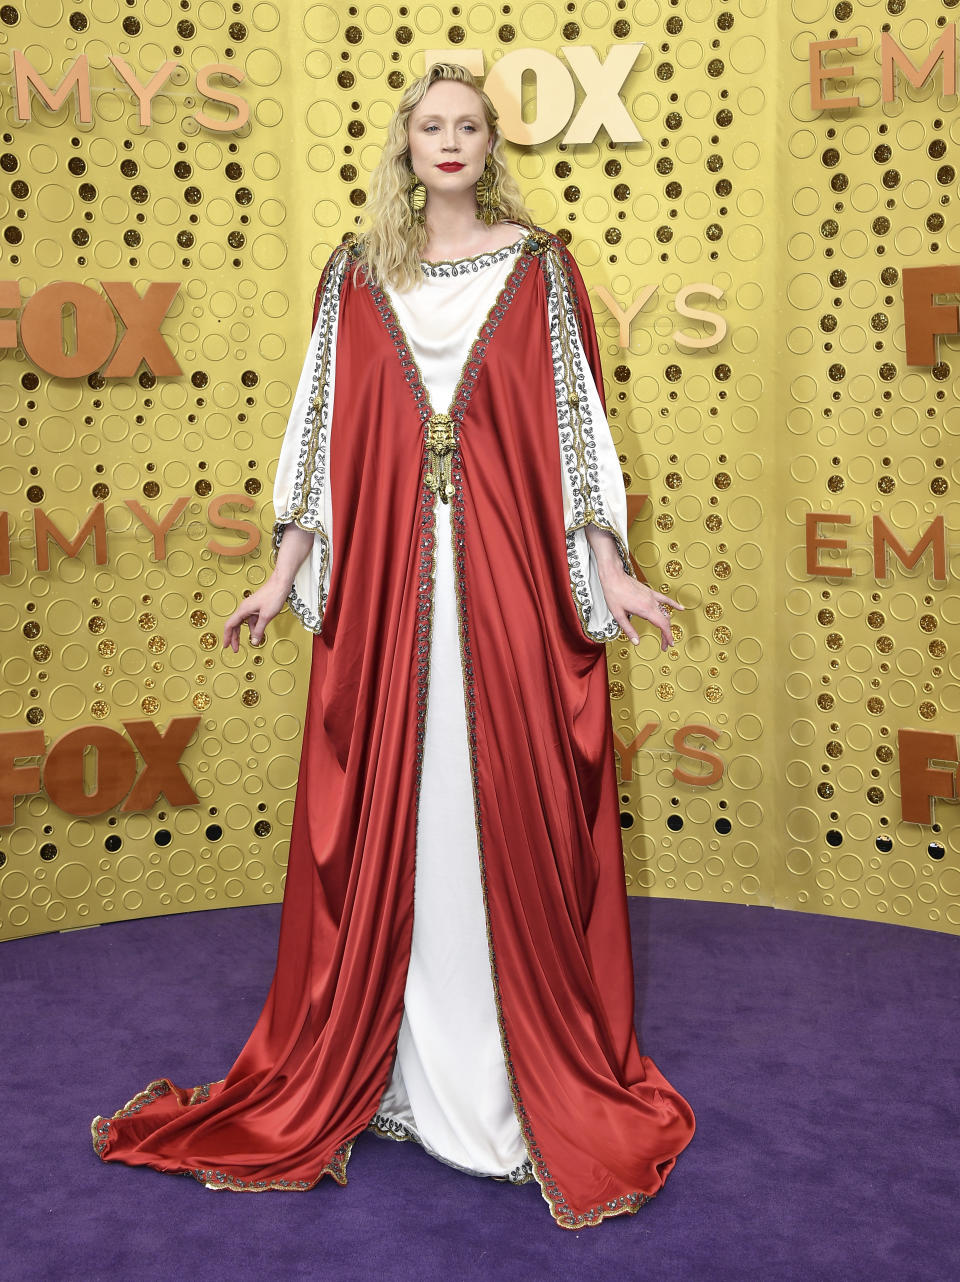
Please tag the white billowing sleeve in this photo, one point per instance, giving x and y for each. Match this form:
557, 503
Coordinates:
301, 491
593, 489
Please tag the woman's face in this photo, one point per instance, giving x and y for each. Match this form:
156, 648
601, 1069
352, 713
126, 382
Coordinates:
449, 138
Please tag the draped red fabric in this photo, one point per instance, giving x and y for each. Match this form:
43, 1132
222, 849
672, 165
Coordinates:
602, 1126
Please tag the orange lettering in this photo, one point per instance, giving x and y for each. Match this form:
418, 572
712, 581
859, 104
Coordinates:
116, 769
627, 752
142, 340
923, 319
819, 74
221, 95
145, 93
214, 512
815, 542
698, 754
45, 528
41, 329
919, 782
18, 781
160, 529
883, 537
77, 77
945, 48
162, 773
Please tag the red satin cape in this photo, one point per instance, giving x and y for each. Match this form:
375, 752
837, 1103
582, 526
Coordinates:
602, 1126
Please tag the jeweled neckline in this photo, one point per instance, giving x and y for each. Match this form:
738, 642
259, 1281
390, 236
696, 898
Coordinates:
482, 259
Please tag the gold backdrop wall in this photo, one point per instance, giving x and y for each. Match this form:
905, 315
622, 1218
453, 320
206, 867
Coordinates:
748, 253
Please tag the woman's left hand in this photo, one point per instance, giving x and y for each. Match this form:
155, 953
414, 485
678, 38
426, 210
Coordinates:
625, 596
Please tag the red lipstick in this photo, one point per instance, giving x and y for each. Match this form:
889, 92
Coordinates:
450, 166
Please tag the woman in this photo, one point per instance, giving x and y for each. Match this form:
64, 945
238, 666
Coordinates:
454, 958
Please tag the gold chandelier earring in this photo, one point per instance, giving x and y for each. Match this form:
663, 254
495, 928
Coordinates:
488, 193
416, 199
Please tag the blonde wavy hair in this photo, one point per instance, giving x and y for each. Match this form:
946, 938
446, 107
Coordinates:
391, 247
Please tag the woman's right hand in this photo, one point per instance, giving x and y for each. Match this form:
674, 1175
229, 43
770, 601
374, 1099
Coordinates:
256, 610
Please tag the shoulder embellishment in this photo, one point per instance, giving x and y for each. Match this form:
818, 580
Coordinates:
538, 241
351, 243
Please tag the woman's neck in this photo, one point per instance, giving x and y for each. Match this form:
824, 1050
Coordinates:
453, 231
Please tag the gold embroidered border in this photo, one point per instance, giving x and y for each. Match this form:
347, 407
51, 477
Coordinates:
337, 1167
562, 1213
100, 1130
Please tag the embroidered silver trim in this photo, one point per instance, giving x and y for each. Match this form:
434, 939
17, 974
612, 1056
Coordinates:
467, 266
392, 1128
578, 445
306, 497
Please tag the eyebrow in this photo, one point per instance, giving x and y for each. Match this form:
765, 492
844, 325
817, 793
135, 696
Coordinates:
437, 116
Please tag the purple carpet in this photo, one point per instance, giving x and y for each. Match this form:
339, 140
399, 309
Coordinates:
819, 1055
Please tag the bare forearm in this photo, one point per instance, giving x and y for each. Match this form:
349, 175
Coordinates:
294, 549
605, 550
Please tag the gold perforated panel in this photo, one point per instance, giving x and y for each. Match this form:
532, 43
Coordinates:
870, 442
748, 386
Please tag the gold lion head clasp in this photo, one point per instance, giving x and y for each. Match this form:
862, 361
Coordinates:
441, 441
441, 434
